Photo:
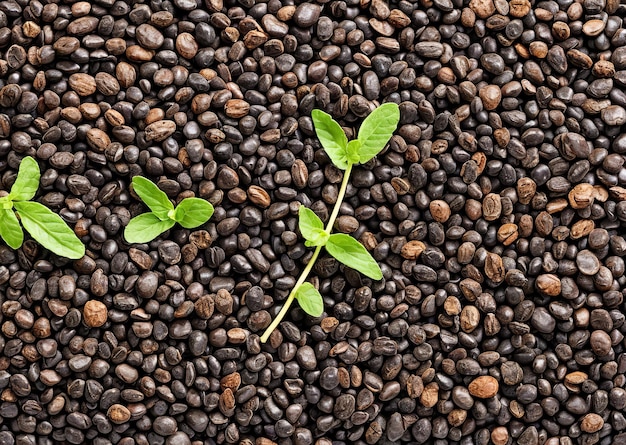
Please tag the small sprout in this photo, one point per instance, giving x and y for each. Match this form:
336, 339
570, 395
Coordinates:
190, 213
375, 132
45, 226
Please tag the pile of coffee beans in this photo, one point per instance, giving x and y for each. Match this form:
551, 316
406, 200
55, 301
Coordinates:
497, 213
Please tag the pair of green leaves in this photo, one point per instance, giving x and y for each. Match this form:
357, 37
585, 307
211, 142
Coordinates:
189, 213
342, 247
375, 132
45, 226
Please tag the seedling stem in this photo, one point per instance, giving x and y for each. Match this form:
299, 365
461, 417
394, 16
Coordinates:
305, 273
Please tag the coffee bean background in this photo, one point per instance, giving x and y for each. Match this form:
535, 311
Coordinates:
497, 213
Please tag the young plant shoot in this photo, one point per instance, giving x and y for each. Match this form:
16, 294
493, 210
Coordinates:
189, 213
375, 132
45, 226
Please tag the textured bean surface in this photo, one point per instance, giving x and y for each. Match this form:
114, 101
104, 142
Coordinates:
497, 213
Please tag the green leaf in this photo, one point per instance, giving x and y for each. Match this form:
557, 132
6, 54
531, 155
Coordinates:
10, 229
352, 151
6, 203
193, 212
49, 230
311, 227
153, 197
310, 300
27, 181
352, 253
332, 138
377, 129
146, 227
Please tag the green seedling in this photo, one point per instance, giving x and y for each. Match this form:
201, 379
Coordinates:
373, 136
45, 226
189, 213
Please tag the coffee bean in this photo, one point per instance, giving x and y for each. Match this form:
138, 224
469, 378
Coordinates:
118, 414
600, 343
344, 406
440, 210
95, 313
512, 373
587, 262
160, 130
169, 252
165, 425
483, 387
306, 15
591, 423
83, 84
126, 373
148, 36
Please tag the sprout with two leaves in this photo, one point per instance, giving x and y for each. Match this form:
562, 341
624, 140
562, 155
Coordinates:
45, 226
189, 213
